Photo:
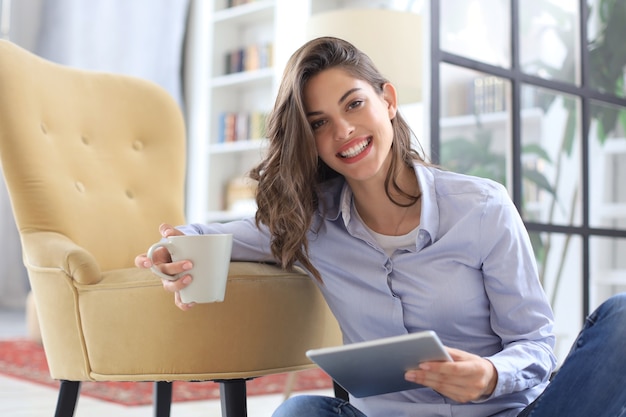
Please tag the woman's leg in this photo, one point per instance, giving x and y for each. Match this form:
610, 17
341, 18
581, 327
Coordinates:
593, 376
316, 406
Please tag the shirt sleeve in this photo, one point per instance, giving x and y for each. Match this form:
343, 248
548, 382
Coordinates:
250, 243
520, 312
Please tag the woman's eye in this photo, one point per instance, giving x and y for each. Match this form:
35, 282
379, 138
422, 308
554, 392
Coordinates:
317, 124
355, 104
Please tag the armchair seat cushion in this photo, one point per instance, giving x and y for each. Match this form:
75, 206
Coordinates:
211, 341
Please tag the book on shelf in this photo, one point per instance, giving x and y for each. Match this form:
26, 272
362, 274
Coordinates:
257, 125
249, 58
240, 126
240, 194
234, 61
487, 94
266, 55
227, 127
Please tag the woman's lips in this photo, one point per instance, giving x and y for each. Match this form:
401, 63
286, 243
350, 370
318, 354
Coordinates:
354, 149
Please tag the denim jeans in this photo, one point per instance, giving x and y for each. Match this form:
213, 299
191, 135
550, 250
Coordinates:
592, 379
590, 382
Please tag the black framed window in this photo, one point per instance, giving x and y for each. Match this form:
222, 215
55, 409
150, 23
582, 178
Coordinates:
533, 95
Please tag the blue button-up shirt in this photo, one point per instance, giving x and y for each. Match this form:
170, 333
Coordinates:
470, 276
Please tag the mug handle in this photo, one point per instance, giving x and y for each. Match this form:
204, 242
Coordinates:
154, 268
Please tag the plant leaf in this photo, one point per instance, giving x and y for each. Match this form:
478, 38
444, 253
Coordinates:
537, 150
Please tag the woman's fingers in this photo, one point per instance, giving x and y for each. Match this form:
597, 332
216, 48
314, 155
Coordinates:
162, 260
468, 378
180, 304
178, 284
169, 230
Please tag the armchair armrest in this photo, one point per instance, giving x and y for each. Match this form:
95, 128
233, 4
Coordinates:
51, 250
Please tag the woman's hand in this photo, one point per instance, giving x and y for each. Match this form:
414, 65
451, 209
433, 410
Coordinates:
468, 378
164, 262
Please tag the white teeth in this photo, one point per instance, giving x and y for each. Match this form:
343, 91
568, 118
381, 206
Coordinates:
355, 150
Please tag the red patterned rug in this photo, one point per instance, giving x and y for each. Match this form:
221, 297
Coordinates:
25, 359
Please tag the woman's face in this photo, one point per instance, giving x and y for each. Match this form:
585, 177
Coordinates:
351, 123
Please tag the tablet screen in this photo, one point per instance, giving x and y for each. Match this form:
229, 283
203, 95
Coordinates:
378, 366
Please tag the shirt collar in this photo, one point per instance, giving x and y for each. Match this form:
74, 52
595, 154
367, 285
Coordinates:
337, 200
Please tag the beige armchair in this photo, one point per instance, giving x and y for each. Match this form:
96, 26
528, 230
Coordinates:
93, 163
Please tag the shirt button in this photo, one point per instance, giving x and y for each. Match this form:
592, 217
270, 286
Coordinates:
388, 267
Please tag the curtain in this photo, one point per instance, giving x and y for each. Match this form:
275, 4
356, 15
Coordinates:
142, 38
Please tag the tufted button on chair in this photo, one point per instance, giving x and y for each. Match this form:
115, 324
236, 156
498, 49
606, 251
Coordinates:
94, 162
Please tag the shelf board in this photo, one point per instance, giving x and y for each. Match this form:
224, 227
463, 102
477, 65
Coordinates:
237, 146
244, 78
246, 13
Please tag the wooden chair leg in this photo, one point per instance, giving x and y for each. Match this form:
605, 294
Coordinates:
289, 384
162, 398
233, 398
68, 396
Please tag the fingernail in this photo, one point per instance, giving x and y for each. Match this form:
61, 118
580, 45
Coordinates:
186, 279
187, 266
424, 367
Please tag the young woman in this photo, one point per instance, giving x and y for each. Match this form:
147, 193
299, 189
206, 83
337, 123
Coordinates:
399, 246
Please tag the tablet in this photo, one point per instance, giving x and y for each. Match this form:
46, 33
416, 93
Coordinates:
378, 366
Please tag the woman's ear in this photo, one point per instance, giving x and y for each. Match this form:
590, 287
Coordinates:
390, 96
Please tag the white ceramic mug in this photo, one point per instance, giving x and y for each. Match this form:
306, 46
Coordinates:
210, 255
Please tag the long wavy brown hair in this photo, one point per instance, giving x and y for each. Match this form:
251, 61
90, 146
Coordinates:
291, 173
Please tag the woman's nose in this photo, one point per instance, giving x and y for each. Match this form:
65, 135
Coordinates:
343, 129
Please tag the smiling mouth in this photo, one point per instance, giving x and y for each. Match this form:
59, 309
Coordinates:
355, 150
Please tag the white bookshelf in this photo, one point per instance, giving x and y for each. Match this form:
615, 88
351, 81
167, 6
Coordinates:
212, 91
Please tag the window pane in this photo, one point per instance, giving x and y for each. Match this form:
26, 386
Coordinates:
608, 268
560, 271
549, 39
607, 50
477, 29
607, 166
476, 128
551, 169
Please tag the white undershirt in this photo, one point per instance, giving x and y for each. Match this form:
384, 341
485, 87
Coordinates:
390, 243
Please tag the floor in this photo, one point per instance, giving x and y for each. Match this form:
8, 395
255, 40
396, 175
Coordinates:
23, 399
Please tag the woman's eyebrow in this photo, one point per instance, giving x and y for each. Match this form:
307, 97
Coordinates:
341, 99
350, 91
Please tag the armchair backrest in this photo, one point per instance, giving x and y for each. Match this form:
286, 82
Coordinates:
97, 157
